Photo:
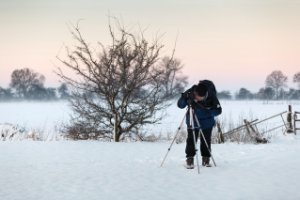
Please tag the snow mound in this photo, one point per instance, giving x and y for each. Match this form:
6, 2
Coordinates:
11, 132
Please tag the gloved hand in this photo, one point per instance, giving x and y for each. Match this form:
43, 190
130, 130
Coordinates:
185, 95
188, 94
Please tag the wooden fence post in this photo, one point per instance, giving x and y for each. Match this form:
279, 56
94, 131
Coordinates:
290, 120
250, 129
220, 133
295, 121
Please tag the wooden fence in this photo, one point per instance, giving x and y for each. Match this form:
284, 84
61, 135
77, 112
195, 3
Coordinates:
290, 124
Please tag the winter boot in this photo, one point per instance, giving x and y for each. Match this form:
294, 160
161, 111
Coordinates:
190, 163
205, 162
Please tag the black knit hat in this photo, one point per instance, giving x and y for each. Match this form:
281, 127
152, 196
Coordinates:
201, 89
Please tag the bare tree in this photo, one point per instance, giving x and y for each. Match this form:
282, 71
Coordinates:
122, 87
276, 80
296, 79
24, 80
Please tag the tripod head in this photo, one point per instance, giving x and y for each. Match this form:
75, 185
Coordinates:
189, 103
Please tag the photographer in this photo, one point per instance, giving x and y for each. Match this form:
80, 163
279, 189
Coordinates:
203, 99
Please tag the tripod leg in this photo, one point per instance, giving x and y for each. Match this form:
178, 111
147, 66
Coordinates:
202, 135
194, 138
208, 148
169, 149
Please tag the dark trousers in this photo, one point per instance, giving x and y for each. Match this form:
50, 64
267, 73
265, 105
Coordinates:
190, 148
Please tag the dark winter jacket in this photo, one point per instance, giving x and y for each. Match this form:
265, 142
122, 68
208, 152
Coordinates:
205, 110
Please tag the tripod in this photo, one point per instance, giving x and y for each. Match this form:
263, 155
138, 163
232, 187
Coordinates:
192, 116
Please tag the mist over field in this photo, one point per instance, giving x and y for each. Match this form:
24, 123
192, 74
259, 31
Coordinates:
49, 117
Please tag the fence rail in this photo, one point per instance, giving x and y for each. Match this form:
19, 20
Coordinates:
290, 125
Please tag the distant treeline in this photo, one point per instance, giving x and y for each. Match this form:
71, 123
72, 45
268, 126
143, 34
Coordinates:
26, 84
275, 88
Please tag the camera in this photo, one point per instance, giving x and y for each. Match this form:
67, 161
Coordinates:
189, 95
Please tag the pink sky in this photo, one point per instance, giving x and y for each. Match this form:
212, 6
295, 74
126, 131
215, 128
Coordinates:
234, 44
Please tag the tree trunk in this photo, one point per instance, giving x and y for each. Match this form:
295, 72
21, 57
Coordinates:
117, 130
117, 137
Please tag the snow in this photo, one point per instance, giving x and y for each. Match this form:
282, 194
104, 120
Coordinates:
77, 170
42, 119
67, 170
44, 116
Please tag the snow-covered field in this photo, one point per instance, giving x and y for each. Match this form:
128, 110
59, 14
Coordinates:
90, 170
48, 117
43, 117
87, 170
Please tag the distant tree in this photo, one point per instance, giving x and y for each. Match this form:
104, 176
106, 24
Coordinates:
224, 95
40, 93
37, 92
276, 80
25, 80
63, 91
243, 93
123, 87
267, 93
51, 94
5, 94
296, 79
283, 94
293, 94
